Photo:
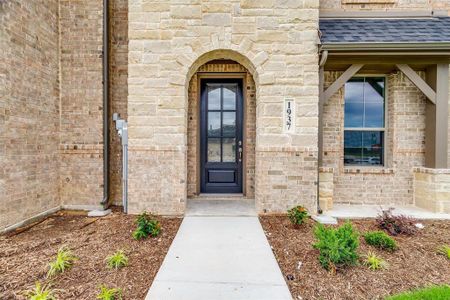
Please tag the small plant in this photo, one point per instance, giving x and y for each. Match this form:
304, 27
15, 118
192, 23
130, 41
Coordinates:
373, 262
444, 250
109, 294
297, 214
117, 260
337, 246
40, 292
381, 240
146, 226
396, 224
63, 261
436, 292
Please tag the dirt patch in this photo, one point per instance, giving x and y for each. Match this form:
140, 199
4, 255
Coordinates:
24, 257
414, 264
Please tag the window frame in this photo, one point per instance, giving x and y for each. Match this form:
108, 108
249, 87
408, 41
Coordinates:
368, 129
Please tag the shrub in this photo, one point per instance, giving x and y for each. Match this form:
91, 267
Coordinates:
63, 261
441, 292
396, 224
444, 250
381, 240
117, 260
109, 294
146, 226
373, 262
337, 246
297, 214
40, 293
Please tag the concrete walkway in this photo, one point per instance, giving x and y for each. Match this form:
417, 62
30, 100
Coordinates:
217, 257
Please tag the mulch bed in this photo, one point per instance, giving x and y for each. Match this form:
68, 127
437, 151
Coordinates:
24, 256
414, 264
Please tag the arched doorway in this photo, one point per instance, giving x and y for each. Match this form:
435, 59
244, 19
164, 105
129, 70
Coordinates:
221, 123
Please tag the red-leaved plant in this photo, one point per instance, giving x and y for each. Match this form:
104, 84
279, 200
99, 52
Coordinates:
396, 224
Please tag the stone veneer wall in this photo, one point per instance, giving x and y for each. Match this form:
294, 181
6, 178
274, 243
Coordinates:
29, 109
432, 189
405, 142
249, 128
118, 62
81, 131
275, 40
326, 188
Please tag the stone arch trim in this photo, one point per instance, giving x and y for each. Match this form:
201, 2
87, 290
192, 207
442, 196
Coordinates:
228, 54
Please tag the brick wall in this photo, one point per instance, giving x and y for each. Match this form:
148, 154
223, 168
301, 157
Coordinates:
405, 142
29, 109
81, 132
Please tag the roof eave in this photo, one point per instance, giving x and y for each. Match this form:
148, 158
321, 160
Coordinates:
429, 47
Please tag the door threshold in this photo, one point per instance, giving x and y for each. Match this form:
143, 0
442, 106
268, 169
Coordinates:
208, 196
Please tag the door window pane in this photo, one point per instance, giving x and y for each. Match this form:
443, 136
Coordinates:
229, 97
229, 124
214, 149
213, 123
229, 150
213, 97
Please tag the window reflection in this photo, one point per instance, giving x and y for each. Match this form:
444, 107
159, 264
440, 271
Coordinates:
364, 110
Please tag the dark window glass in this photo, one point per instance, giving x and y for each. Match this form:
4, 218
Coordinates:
213, 97
364, 110
229, 97
213, 123
229, 124
363, 148
214, 150
229, 150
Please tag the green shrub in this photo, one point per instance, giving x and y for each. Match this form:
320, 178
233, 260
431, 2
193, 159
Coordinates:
146, 226
63, 261
297, 214
337, 246
40, 293
381, 240
117, 260
373, 262
441, 292
444, 250
109, 294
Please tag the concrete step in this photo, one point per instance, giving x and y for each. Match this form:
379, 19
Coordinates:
220, 207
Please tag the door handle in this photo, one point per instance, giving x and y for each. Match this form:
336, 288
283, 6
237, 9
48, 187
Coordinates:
240, 151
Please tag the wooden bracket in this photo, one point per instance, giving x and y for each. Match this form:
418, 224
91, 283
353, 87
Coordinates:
418, 81
333, 88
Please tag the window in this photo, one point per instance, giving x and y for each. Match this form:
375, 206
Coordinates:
364, 121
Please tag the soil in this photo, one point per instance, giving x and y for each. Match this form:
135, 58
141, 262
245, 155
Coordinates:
415, 264
24, 255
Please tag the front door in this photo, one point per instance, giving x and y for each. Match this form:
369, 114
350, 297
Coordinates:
221, 136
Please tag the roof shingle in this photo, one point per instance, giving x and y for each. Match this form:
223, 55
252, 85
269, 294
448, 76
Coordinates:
424, 30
